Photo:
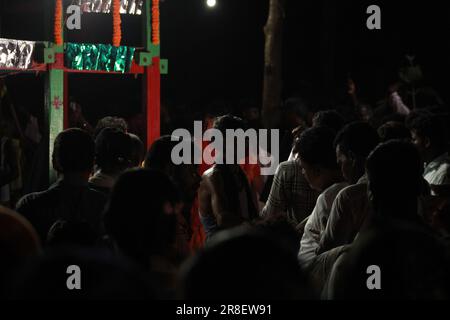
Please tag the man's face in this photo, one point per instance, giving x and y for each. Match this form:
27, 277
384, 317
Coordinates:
345, 163
311, 173
421, 143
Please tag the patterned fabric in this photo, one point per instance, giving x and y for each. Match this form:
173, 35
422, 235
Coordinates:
350, 209
290, 194
316, 225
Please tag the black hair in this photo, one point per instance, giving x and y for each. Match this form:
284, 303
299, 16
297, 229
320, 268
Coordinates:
358, 138
298, 106
263, 269
103, 277
73, 151
229, 121
135, 217
429, 126
222, 124
110, 122
394, 171
159, 155
393, 130
113, 150
329, 118
315, 146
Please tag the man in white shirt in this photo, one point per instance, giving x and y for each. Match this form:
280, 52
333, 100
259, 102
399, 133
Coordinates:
351, 206
319, 166
429, 135
395, 242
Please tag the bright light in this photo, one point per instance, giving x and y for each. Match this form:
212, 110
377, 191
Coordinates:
211, 3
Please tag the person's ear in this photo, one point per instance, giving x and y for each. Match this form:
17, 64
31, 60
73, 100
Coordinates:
56, 165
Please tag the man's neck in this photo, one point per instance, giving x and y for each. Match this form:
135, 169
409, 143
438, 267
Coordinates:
74, 178
333, 178
407, 210
433, 155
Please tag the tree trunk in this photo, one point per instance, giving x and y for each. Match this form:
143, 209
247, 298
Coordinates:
273, 31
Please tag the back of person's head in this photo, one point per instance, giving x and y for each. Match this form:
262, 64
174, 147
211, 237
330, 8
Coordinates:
184, 175
113, 150
159, 156
394, 261
110, 122
330, 119
315, 146
260, 268
394, 171
18, 242
429, 127
357, 139
73, 152
140, 214
59, 273
223, 124
280, 227
137, 150
226, 122
393, 130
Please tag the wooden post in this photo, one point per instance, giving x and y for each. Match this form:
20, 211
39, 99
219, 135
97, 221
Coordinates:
273, 31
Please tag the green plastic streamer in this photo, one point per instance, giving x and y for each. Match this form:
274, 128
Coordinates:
99, 57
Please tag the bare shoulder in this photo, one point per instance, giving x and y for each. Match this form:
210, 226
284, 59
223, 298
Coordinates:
211, 177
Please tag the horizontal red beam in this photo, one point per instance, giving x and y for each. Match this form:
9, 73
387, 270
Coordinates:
135, 69
34, 68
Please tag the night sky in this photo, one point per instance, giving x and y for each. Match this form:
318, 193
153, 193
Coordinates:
217, 54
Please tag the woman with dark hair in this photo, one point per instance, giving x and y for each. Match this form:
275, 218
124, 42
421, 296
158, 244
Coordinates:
225, 198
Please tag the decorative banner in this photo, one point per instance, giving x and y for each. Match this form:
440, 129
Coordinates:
100, 57
105, 6
58, 24
117, 22
16, 53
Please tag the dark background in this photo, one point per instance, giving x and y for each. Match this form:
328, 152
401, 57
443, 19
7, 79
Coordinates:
217, 54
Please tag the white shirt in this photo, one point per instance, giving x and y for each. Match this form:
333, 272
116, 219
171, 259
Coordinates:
350, 209
316, 224
437, 172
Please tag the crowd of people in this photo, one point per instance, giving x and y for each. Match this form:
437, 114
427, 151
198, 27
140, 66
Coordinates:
357, 190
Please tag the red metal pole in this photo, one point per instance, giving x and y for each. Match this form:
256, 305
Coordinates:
153, 102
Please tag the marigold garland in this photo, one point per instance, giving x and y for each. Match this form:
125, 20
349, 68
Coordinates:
58, 23
117, 32
155, 22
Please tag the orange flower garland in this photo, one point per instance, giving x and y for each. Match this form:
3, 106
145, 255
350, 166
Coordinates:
155, 22
117, 32
58, 23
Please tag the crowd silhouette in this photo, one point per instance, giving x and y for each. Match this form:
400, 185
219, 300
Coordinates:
358, 188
